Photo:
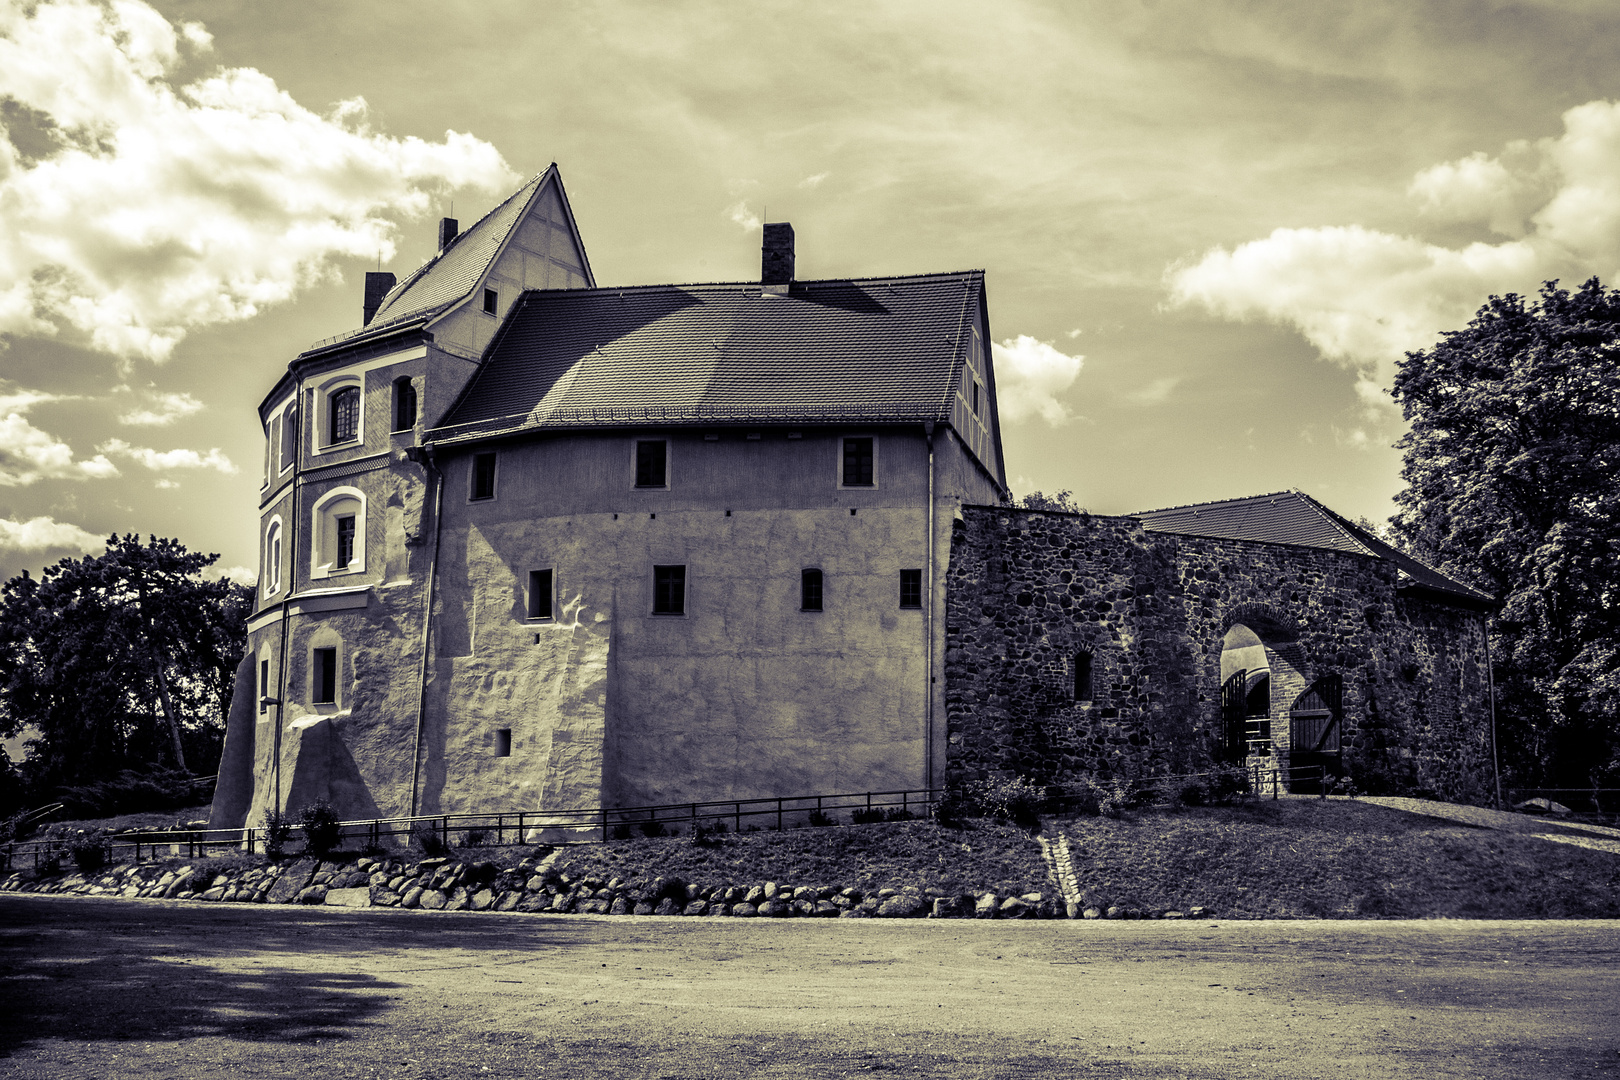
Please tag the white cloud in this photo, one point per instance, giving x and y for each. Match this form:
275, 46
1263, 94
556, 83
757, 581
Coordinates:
160, 460
45, 534
814, 181
1029, 376
1364, 297
1156, 392
28, 455
163, 207
242, 575
738, 213
160, 410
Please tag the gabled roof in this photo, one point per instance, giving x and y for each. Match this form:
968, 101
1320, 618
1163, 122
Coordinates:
873, 349
450, 276
1289, 517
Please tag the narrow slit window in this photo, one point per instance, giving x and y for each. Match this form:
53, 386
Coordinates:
491, 301
323, 678
539, 594
344, 414
1082, 676
652, 461
483, 476
911, 588
975, 397
345, 541
858, 462
503, 742
404, 404
669, 590
289, 438
264, 684
810, 590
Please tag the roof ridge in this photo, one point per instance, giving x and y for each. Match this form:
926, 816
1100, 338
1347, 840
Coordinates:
1212, 502
941, 275
1337, 521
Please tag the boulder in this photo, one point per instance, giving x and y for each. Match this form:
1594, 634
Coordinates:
412, 897
1542, 806
1014, 907
666, 906
315, 894
1091, 913
948, 907
696, 907
987, 905
902, 906
432, 899
775, 909
744, 910
355, 896
294, 877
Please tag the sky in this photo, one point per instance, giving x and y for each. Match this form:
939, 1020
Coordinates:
1210, 227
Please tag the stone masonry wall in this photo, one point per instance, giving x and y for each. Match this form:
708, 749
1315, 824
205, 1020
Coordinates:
1030, 590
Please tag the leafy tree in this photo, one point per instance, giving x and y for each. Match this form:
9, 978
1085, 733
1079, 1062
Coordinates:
1061, 500
121, 661
1512, 469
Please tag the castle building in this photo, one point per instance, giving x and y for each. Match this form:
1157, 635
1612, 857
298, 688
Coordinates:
532, 543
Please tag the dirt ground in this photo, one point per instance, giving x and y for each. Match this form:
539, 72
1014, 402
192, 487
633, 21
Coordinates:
138, 989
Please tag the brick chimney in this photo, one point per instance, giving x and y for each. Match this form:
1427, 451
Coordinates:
776, 259
377, 286
448, 228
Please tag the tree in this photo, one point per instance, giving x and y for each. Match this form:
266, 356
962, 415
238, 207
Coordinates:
119, 661
1061, 500
1512, 467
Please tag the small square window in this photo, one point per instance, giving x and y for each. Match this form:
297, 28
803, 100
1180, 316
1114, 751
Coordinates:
911, 588
539, 594
323, 679
483, 476
669, 590
858, 462
810, 590
491, 301
651, 463
503, 742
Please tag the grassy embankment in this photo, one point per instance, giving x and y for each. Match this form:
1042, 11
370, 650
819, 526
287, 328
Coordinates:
1295, 858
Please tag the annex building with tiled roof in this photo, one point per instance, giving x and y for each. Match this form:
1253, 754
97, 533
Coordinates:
532, 544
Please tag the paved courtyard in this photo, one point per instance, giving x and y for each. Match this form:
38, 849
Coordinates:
168, 989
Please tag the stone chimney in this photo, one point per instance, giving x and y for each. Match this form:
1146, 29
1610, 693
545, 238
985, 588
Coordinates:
377, 286
776, 259
448, 228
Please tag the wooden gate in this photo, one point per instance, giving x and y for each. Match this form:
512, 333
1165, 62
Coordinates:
1315, 722
1234, 744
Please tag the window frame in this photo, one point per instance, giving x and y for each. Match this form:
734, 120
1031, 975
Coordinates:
493, 457
910, 584
325, 516
679, 611
345, 415
402, 386
316, 672
270, 569
806, 576
287, 438
503, 742
635, 464
842, 457
492, 302
323, 395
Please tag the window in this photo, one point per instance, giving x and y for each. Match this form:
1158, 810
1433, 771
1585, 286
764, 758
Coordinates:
911, 588
323, 677
289, 437
491, 301
858, 462
669, 590
270, 575
652, 459
809, 590
539, 594
343, 415
338, 540
264, 684
483, 476
503, 742
975, 397
404, 404
1082, 676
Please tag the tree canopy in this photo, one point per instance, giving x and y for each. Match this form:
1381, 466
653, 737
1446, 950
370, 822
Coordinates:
120, 661
1512, 470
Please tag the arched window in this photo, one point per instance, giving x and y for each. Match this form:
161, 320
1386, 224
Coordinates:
339, 533
270, 571
343, 414
404, 403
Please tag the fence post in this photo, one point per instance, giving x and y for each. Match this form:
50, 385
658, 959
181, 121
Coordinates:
779, 813
738, 807
604, 825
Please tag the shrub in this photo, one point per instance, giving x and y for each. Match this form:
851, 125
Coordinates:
866, 815
322, 833
1017, 800
821, 819
276, 831
950, 811
1193, 793
1228, 783
651, 829
90, 850
475, 838
1113, 796
426, 839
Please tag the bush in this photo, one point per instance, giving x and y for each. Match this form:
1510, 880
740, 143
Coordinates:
1113, 796
1194, 793
1017, 800
90, 850
866, 815
1228, 783
820, 819
426, 839
950, 812
322, 834
475, 838
277, 829
653, 829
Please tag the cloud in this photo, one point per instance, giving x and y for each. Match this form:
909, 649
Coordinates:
1364, 298
28, 455
1029, 376
150, 208
739, 214
45, 534
814, 181
242, 575
1156, 392
162, 460
161, 410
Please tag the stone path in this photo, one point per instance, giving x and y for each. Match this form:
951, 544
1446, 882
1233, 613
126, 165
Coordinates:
1580, 834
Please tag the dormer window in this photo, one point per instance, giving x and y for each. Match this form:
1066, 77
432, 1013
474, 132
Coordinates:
343, 414
491, 301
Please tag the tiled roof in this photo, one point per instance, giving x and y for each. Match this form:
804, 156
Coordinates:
873, 349
1289, 517
446, 278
